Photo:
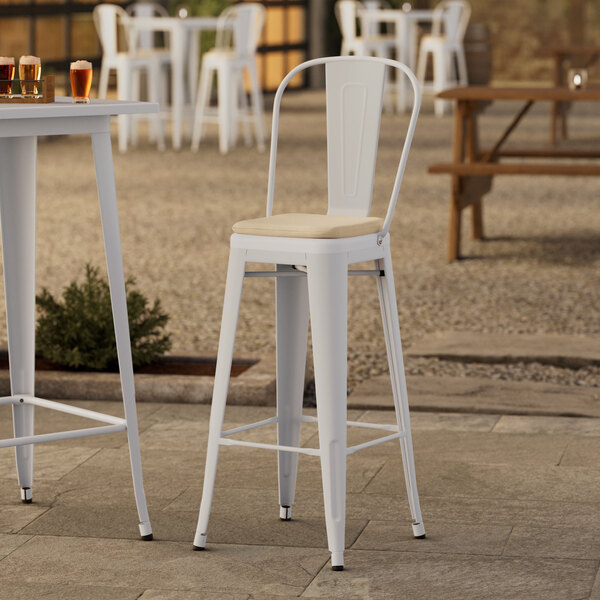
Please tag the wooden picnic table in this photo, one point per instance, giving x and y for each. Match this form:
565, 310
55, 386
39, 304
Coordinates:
566, 56
473, 168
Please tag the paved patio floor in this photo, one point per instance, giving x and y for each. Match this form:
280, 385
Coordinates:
510, 503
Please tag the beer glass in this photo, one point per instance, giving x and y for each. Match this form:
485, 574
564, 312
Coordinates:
30, 70
7, 74
81, 81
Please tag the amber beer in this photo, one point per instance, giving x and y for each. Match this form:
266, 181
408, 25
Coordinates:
30, 69
81, 80
7, 74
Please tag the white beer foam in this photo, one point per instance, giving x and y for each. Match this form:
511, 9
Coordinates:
81, 64
29, 60
7, 60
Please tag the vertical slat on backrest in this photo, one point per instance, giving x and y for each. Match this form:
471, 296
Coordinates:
452, 18
107, 18
354, 99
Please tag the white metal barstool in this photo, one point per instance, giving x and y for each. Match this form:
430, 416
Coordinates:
238, 33
312, 254
128, 66
445, 44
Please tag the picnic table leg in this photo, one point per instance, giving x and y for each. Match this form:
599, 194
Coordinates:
453, 252
477, 219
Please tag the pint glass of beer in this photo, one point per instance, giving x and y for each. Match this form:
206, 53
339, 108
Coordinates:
7, 74
30, 70
81, 81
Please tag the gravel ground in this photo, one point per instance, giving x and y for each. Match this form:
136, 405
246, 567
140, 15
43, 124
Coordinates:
538, 271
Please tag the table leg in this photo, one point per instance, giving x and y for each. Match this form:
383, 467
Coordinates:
177, 91
193, 64
107, 196
17, 214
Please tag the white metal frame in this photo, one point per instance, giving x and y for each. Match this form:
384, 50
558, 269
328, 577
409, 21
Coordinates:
445, 47
238, 32
311, 276
20, 125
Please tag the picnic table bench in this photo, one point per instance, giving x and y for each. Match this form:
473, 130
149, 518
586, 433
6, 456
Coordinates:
473, 169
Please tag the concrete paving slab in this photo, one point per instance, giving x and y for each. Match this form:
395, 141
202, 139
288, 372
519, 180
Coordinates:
549, 542
14, 518
510, 512
163, 565
522, 482
429, 421
381, 575
179, 595
9, 543
442, 537
242, 527
51, 462
574, 427
72, 591
582, 452
477, 395
473, 346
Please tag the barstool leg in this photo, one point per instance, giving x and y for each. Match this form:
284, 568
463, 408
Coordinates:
389, 314
328, 298
18, 180
107, 197
231, 309
202, 105
257, 107
224, 109
292, 334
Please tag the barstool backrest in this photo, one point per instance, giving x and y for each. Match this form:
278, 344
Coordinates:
107, 17
240, 27
346, 13
145, 39
354, 93
454, 16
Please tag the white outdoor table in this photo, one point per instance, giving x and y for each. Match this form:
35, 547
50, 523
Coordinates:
405, 26
20, 125
184, 44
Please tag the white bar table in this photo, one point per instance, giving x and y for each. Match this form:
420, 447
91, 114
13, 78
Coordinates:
405, 25
20, 125
184, 44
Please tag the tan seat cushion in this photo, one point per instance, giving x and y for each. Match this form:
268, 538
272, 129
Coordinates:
310, 226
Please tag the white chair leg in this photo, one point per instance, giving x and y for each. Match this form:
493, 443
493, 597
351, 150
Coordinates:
231, 309
107, 197
157, 123
463, 78
243, 112
421, 66
292, 334
389, 315
224, 109
202, 105
257, 107
440, 78
123, 93
103, 82
17, 174
136, 84
328, 298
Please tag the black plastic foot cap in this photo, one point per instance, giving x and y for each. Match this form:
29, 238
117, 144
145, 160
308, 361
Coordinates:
199, 548
420, 537
148, 538
27, 500
337, 567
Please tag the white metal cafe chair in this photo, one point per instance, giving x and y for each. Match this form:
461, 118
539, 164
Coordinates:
445, 44
238, 33
312, 254
128, 65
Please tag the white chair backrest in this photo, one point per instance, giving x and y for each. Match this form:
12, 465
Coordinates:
106, 19
346, 13
145, 39
454, 16
240, 27
354, 92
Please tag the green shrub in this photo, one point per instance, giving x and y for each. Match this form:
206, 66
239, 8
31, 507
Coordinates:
79, 333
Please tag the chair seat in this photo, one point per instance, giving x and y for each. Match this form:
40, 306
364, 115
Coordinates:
298, 225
